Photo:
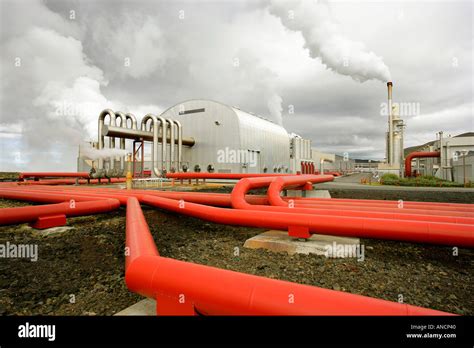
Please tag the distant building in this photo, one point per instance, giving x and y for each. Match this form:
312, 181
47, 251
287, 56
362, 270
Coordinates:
449, 165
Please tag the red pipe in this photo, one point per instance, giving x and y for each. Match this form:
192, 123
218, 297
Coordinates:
214, 199
224, 200
278, 184
410, 231
417, 154
239, 201
71, 181
359, 226
137, 243
182, 287
166, 279
230, 176
259, 199
19, 215
387, 202
24, 175
375, 206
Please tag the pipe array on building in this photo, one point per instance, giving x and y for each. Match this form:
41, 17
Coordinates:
153, 128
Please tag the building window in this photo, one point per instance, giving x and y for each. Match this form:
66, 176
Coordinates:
192, 111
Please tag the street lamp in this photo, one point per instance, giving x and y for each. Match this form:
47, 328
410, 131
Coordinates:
464, 154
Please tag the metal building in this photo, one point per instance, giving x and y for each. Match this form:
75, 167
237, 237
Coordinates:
229, 140
196, 136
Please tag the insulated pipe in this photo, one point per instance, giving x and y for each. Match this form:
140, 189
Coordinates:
20, 215
229, 176
424, 208
112, 170
417, 154
400, 206
133, 121
278, 184
224, 200
123, 123
213, 291
138, 242
313, 200
363, 207
415, 231
156, 133
214, 199
409, 231
100, 143
246, 184
68, 181
170, 123
243, 186
180, 144
163, 144
45, 197
135, 134
25, 175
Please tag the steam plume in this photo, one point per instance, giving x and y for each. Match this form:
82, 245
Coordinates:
324, 39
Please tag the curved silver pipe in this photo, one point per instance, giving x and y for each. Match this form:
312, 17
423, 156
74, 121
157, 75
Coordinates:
123, 123
156, 133
101, 136
112, 170
163, 143
131, 117
170, 122
180, 144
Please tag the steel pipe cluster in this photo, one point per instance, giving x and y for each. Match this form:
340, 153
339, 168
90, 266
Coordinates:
123, 123
161, 131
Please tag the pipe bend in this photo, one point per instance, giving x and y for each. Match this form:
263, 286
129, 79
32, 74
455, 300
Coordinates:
132, 118
122, 117
155, 119
101, 120
417, 154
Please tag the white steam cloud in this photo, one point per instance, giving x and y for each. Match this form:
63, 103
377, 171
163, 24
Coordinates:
88, 152
324, 39
275, 107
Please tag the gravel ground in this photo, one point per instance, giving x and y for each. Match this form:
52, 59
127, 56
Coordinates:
80, 271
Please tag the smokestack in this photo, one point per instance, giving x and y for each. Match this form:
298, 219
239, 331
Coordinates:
389, 87
390, 159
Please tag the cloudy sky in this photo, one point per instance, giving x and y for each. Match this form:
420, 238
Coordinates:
318, 68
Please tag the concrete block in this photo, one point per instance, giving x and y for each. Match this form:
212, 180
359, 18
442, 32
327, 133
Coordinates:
52, 231
144, 307
309, 193
318, 244
317, 194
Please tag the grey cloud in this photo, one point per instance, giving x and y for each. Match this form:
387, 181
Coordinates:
80, 62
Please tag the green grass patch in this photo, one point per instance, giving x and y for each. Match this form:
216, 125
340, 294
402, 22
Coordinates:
425, 180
